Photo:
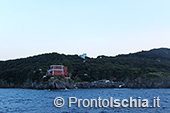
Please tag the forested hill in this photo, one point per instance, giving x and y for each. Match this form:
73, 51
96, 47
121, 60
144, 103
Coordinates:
146, 64
162, 53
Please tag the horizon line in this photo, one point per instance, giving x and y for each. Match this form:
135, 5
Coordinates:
80, 54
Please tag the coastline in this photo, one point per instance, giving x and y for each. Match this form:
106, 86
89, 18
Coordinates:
63, 84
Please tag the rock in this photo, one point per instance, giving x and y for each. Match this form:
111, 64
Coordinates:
98, 84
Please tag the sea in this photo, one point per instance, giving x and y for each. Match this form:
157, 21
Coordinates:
42, 101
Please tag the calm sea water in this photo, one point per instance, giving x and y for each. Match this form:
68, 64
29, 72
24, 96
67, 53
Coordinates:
41, 101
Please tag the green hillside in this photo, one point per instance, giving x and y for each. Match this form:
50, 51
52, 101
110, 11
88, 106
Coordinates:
146, 64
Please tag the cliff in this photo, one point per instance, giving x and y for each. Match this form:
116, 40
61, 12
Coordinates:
50, 84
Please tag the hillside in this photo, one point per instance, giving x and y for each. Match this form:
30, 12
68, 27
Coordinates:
134, 69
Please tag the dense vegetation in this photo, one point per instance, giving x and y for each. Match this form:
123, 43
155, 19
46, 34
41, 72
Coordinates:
148, 64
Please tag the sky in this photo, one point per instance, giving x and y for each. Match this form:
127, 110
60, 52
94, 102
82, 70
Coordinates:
95, 27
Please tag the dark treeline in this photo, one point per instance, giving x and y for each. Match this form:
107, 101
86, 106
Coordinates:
145, 64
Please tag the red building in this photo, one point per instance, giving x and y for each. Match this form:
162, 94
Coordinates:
57, 70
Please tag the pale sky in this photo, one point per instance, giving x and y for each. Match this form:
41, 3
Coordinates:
95, 27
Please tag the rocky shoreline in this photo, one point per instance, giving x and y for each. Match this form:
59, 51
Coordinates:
98, 84
68, 84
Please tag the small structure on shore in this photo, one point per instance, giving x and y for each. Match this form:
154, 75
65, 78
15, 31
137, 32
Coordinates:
57, 70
